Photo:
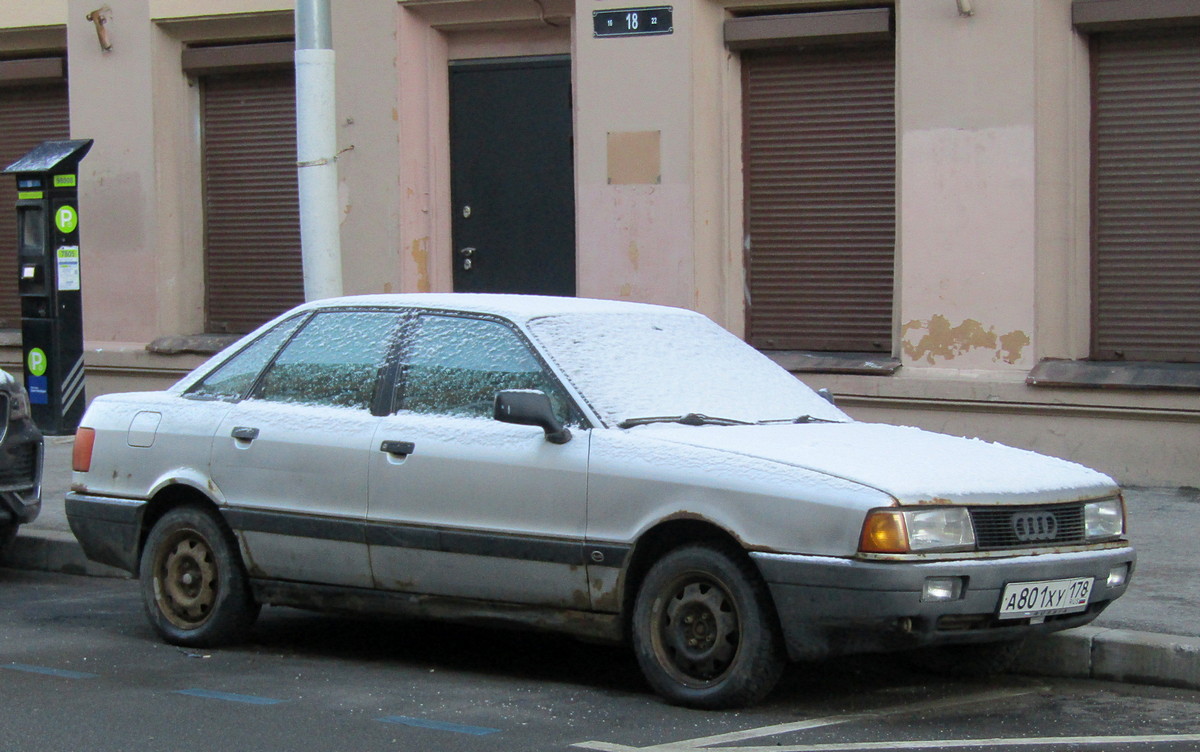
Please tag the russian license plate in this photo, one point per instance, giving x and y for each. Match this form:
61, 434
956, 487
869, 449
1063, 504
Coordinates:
1022, 600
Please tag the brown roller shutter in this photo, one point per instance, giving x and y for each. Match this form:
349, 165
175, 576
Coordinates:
29, 115
820, 156
251, 205
1146, 212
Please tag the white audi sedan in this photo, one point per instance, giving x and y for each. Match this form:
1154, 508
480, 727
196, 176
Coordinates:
615, 471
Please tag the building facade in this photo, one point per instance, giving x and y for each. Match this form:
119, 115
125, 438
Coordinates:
977, 216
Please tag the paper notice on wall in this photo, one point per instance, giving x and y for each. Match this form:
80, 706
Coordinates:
68, 268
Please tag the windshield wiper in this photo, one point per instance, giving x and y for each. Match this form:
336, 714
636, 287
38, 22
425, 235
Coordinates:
691, 419
801, 419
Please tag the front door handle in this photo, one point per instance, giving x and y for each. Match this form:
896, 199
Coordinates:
244, 433
398, 448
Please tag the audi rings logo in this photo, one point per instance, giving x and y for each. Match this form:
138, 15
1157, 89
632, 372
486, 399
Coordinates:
1034, 526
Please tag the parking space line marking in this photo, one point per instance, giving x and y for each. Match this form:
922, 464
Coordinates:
229, 697
934, 744
61, 673
689, 745
438, 725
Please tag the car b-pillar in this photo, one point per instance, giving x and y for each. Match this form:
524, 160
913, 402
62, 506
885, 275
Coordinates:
49, 282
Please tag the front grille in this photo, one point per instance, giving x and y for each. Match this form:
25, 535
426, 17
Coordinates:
19, 471
1027, 527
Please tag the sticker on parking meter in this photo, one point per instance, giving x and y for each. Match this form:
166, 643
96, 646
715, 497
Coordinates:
66, 219
36, 360
36, 382
68, 268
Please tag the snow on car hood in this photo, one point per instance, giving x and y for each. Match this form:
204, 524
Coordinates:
911, 465
668, 361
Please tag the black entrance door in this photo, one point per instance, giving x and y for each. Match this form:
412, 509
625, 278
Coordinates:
512, 176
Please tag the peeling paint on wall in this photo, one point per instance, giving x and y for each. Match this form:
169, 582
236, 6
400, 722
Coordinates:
420, 255
1012, 345
941, 340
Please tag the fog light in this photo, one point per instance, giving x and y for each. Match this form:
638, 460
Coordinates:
1118, 575
941, 589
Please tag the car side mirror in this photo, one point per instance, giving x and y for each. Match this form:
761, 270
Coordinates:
531, 408
827, 395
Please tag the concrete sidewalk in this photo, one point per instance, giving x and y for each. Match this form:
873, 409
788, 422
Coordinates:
1150, 636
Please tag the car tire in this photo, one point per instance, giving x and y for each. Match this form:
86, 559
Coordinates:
194, 586
705, 631
967, 661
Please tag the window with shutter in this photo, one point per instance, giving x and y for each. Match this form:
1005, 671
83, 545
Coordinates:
29, 115
1146, 195
253, 268
820, 166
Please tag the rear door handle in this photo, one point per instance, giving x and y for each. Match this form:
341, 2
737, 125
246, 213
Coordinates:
244, 433
398, 448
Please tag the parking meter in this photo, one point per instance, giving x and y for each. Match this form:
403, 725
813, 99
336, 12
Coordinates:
49, 282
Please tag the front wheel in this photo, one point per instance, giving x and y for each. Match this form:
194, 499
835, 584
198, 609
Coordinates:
705, 631
194, 586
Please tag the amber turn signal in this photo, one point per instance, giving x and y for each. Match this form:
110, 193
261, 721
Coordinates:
884, 533
81, 457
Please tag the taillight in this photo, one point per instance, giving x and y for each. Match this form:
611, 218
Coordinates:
81, 458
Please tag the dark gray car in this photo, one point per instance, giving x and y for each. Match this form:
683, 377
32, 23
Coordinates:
20, 461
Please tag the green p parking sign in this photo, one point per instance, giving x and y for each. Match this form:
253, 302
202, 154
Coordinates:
36, 362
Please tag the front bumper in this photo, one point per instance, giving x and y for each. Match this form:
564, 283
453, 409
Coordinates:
21, 474
829, 606
108, 529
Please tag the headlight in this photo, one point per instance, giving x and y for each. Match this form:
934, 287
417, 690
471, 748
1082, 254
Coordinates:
894, 531
1104, 519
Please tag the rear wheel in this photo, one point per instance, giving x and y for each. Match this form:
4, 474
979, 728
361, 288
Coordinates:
705, 631
194, 586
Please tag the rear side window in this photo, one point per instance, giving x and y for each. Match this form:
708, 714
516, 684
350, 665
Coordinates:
235, 377
334, 360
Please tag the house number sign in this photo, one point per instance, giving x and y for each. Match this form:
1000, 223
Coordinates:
632, 22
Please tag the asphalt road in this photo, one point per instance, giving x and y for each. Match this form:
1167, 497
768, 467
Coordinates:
80, 669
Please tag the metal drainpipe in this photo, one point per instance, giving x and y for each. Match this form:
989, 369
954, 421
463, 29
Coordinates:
316, 151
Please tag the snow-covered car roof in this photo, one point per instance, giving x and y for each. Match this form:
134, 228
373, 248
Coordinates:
517, 308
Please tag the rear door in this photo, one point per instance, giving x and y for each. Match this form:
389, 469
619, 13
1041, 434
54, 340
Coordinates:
292, 459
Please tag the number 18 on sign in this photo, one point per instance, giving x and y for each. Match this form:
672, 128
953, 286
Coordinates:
632, 22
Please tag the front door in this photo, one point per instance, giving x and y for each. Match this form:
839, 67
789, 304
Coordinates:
463, 505
512, 176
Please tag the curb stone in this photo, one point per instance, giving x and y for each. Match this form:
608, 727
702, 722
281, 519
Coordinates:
54, 551
1120, 655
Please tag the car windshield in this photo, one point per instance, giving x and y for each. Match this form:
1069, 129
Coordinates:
631, 366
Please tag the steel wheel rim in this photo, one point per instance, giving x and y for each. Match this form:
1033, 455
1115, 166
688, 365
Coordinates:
185, 580
696, 630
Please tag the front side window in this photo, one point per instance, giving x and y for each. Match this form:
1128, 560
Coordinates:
455, 366
235, 377
334, 360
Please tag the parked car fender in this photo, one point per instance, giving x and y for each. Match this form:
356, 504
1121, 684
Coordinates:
759, 502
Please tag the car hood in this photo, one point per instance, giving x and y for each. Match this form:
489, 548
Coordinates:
911, 465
